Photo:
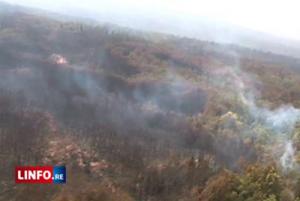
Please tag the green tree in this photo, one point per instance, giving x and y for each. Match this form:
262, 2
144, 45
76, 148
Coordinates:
257, 183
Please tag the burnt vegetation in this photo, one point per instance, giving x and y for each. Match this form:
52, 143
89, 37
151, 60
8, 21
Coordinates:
135, 116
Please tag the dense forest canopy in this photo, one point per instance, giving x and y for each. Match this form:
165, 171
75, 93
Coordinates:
144, 116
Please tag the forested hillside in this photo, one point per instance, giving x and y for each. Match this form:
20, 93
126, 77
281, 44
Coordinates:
144, 116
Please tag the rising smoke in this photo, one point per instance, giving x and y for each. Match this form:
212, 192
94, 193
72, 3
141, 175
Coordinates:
281, 121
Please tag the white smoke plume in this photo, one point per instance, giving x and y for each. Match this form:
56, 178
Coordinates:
281, 120
287, 160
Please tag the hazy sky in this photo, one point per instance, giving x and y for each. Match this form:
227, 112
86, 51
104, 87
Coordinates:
279, 17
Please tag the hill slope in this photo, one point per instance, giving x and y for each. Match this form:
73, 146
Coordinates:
138, 116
